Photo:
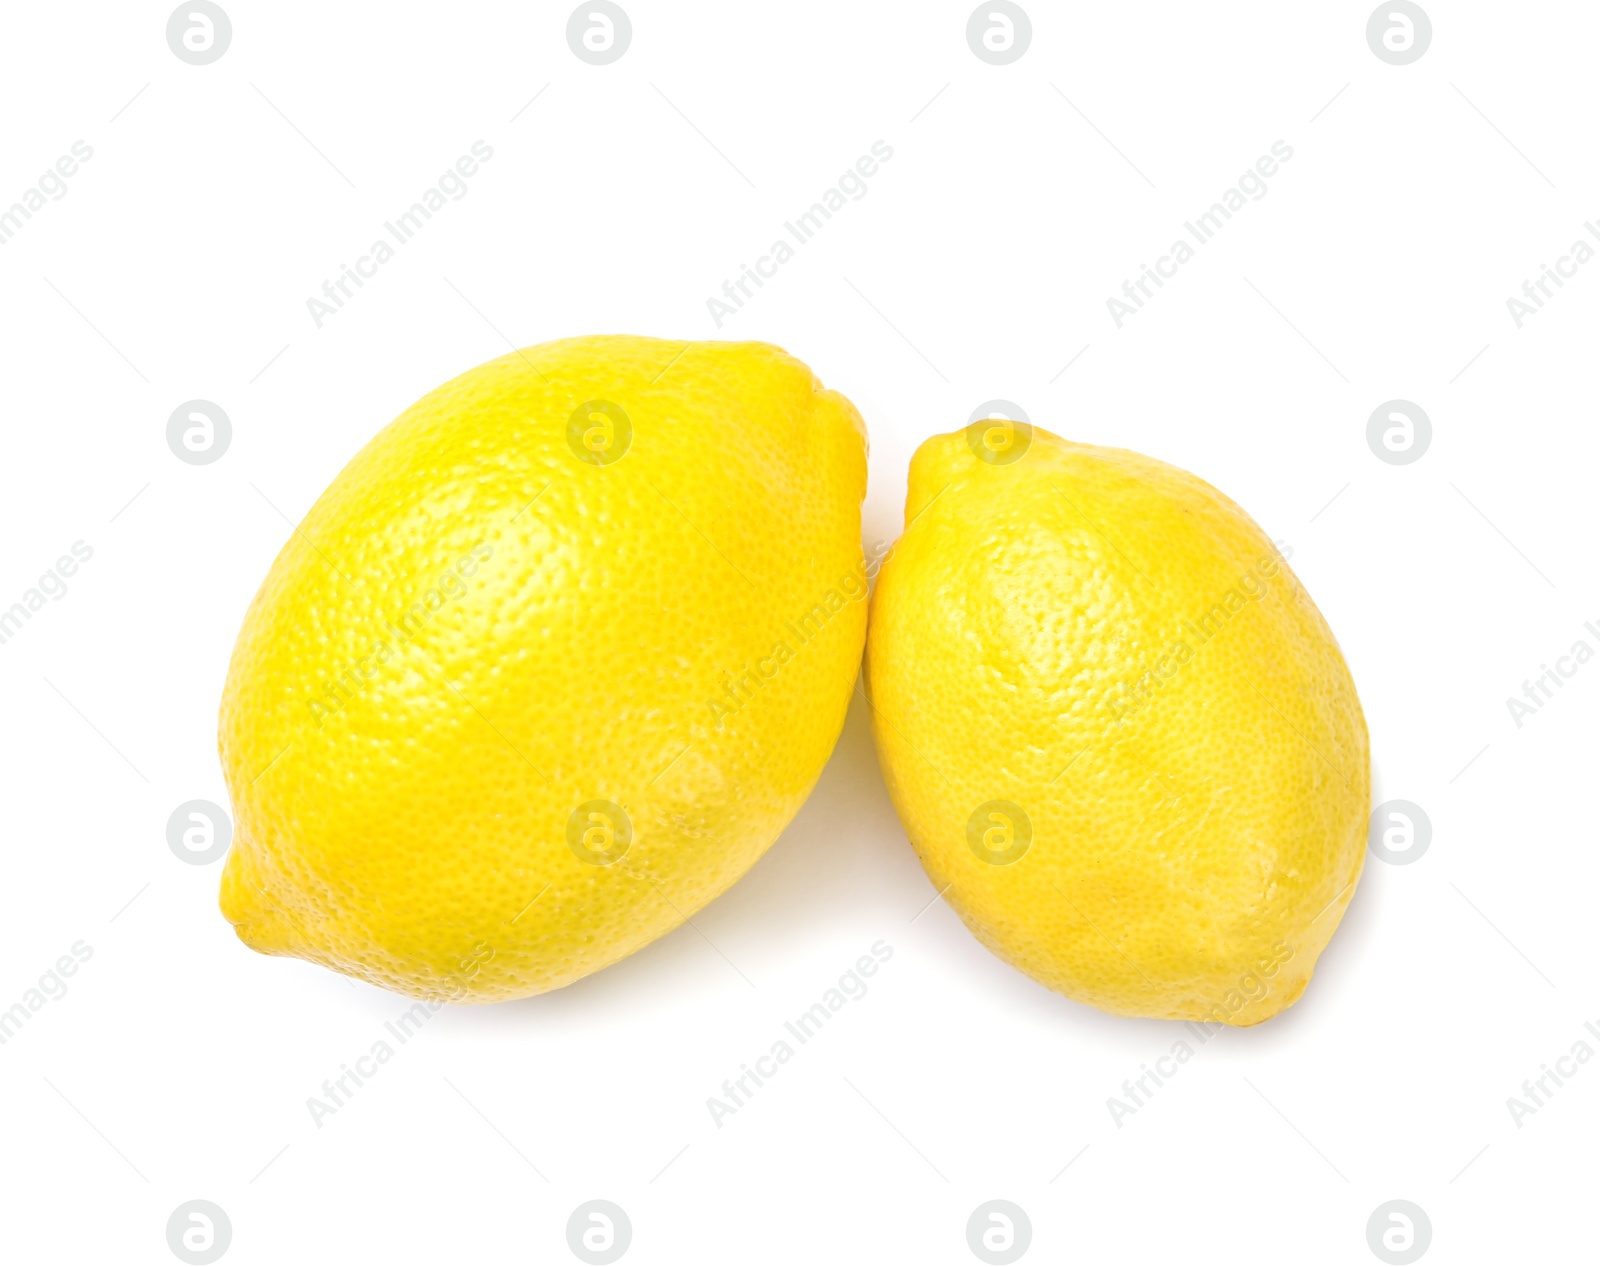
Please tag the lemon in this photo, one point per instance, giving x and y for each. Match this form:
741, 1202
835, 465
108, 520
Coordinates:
1120, 735
548, 666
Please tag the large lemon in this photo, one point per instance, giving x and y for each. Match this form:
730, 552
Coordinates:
1118, 731
547, 667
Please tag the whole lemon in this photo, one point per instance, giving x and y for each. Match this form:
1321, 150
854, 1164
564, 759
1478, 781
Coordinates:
1119, 733
547, 667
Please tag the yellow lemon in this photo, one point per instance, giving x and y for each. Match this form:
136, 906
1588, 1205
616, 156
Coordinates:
1119, 733
547, 667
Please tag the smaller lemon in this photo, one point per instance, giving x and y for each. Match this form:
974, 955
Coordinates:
1119, 733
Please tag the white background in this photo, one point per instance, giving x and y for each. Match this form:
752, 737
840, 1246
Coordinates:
977, 266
